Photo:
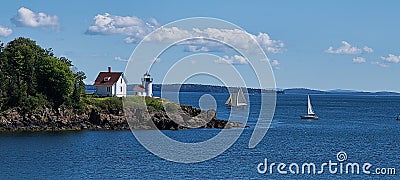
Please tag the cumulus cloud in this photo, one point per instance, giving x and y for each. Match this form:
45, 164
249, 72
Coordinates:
368, 49
391, 58
380, 64
347, 48
236, 59
5, 32
27, 18
359, 60
274, 63
130, 40
118, 58
136, 28
194, 48
235, 37
203, 45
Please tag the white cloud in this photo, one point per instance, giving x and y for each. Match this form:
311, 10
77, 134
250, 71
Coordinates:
391, 58
368, 49
347, 48
359, 60
129, 40
269, 45
194, 48
169, 34
274, 63
236, 59
136, 28
28, 18
118, 58
235, 37
380, 64
5, 32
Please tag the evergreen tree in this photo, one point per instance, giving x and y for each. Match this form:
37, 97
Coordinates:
34, 77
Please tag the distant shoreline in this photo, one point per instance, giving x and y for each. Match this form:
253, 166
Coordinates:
223, 89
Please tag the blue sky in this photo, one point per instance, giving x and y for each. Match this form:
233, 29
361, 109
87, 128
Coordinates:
319, 44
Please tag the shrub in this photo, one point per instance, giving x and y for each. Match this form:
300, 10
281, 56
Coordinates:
155, 103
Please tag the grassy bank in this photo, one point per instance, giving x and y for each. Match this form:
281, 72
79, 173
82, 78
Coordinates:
116, 104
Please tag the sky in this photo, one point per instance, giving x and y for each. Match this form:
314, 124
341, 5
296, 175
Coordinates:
312, 44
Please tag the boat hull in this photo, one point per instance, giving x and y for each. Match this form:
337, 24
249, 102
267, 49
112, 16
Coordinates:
241, 106
312, 117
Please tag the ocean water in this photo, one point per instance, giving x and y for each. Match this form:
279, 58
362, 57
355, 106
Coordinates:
364, 127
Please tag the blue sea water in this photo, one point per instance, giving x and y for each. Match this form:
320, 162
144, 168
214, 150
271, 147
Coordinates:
364, 127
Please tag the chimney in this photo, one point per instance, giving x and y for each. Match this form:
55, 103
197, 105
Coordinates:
109, 69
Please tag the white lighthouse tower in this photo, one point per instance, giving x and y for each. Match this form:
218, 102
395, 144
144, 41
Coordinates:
147, 83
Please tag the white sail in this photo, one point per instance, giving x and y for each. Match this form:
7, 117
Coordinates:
236, 99
241, 100
229, 100
309, 109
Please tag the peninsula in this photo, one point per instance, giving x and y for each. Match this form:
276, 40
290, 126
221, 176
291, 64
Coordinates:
40, 92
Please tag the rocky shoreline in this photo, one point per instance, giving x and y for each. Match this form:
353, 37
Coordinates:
62, 120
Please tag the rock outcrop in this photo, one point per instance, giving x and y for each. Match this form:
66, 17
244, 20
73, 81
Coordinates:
58, 120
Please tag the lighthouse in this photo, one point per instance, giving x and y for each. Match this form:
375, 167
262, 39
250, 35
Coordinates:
147, 83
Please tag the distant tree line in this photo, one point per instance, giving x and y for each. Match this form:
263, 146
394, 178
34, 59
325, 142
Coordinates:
205, 88
33, 78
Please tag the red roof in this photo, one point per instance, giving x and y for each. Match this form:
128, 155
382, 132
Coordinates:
112, 77
140, 88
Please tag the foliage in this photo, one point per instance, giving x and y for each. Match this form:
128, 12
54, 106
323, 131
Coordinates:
115, 105
105, 104
32, 77
154, 103
79, 89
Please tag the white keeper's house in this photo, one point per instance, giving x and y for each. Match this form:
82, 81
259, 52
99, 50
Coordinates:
110, 84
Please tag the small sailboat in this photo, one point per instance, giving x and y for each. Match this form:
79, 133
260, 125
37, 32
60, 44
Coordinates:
236, 99
398, 117
310, 112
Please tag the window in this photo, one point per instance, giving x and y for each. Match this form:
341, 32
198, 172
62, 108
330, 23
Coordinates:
121, 80
121, 88
108, 89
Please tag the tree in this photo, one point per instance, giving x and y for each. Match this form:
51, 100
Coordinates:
79, 89
21, 56
2, 76
55, 80
34, 77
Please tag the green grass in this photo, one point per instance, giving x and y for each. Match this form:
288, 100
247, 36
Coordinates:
108, 104
112, 104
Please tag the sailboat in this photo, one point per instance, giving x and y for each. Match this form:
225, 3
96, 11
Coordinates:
398, 117
310, 112
236, 99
